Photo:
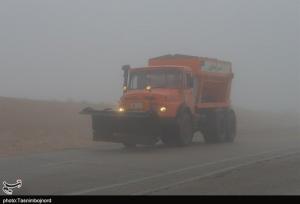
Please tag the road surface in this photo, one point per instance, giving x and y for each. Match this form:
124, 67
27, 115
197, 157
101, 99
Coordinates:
257, 163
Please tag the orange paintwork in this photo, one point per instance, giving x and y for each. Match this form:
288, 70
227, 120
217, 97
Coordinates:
155, 99
191, 65
211, 91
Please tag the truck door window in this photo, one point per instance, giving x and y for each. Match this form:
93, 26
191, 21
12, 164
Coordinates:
173, 80
189, 81
137, 81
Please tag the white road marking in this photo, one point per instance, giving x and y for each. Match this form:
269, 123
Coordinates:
82, 192
60, 163
227, 169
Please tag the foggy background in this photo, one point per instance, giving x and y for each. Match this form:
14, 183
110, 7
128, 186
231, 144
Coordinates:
62, 50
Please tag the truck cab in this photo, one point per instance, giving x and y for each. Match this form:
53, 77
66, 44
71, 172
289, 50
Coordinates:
159, 89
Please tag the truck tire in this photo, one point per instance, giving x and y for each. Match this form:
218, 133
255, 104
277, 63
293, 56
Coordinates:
214, 130
230, 126
185, 132
182, 132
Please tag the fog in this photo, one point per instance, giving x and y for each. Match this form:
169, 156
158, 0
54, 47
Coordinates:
60, 50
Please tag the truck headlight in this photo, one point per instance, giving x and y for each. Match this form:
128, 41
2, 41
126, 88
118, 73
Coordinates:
148, 88
121, 110
163, 109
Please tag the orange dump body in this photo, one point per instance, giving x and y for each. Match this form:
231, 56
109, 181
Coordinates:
214, 77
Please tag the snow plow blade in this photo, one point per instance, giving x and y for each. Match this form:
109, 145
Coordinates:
112, 126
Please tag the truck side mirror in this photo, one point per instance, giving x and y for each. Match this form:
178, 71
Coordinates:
125, 69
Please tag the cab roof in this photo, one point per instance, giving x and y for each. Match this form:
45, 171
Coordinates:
185, 68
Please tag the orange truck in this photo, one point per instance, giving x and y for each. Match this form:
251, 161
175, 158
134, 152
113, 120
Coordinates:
169, 100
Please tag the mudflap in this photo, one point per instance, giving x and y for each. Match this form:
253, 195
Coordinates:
134, 127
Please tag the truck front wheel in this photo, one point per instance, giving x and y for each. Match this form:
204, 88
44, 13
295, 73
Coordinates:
185, 131
181, 133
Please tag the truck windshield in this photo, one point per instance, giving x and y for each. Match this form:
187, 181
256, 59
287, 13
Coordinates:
156, 79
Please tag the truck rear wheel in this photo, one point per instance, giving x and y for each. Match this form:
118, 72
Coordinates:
230, 126
214, 130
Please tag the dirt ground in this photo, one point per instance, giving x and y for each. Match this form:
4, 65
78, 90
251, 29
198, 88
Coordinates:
29, 126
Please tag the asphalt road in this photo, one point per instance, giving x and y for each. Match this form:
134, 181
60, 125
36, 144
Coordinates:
257, 163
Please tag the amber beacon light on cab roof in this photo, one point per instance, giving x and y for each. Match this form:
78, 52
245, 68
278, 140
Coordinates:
169, 100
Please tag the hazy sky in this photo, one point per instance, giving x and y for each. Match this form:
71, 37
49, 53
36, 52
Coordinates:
59, 49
